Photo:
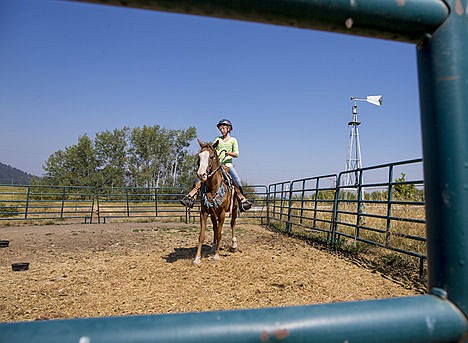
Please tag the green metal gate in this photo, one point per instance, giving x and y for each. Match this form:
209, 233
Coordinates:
440, 31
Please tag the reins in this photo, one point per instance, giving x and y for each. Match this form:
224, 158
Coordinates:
213, 172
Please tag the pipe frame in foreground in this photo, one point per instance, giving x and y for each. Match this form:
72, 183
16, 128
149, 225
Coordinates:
443, 84
443, 70
412, 319
402, 20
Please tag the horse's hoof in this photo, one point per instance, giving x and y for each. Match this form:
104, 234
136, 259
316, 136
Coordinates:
216, 258
234, 244
197, 261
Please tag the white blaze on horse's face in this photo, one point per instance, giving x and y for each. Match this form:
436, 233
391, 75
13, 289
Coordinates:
202, 168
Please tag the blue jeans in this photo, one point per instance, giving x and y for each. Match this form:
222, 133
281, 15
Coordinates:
235, 176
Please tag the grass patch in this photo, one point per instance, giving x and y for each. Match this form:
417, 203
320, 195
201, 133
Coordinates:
8, 211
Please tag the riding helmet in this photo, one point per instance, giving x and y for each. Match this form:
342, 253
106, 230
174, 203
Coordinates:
224, 122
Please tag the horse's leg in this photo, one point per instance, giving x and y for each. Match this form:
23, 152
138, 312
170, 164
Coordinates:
219, 233
201, 238
233, 231
215, 227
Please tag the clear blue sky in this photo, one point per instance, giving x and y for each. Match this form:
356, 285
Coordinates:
68, 68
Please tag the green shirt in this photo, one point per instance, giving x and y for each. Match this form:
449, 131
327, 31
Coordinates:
230, 146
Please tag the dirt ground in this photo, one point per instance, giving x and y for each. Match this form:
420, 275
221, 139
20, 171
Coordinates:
94, 270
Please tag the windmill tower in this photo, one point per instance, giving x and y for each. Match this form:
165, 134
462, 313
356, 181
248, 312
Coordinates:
354, 160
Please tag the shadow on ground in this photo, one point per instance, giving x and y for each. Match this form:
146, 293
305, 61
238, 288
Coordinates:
186, 253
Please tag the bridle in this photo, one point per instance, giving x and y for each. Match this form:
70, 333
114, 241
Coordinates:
210, 165
212, 155
209, 172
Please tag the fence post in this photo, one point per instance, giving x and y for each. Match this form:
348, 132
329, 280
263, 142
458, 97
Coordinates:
359, 205
317, 185
95, 198
156, 201
334, 223
27, 203
274, 200
389, 205
268, 205
288, 222
126, 202
443, 75
302, 201
63, 201
282, 202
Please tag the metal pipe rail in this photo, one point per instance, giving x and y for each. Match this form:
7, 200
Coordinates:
427, 318
26, 202
403, 20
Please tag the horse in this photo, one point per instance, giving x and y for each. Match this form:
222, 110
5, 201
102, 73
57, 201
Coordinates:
217, 199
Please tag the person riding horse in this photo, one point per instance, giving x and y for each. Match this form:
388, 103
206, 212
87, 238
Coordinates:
227, 149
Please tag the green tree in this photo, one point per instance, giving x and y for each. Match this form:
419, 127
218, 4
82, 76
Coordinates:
111, 149
186, 173
150, 156
145, 153
403, 190
183, 163
75, 166
57, 169
84, 163
158, 157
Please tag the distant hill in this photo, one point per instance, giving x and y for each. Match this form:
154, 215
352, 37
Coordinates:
10, 175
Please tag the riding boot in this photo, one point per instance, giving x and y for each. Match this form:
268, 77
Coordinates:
244, 204
189, 199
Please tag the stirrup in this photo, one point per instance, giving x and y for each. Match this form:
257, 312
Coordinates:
245, 205
187, 201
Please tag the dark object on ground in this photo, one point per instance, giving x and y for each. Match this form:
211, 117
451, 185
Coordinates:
19, 266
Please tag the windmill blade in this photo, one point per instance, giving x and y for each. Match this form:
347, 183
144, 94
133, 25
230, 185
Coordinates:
375, 99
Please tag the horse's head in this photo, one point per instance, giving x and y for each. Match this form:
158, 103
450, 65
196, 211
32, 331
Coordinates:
207, 160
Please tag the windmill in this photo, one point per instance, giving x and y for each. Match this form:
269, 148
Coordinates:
354, 160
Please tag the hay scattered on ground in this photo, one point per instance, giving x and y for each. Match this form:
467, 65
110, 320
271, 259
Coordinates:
114, 269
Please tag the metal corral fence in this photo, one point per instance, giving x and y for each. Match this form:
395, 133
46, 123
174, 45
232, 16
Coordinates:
24, 202
90, 205
384, 208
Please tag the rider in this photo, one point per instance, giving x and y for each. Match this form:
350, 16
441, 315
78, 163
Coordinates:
227, 149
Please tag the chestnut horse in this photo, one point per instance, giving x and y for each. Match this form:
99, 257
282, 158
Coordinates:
217, 199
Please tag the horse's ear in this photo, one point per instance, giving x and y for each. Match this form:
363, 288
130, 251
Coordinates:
200, 142
215, 144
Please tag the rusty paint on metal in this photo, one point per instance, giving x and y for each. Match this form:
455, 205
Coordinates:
459, 7
401, 2
449, 78
281, 333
